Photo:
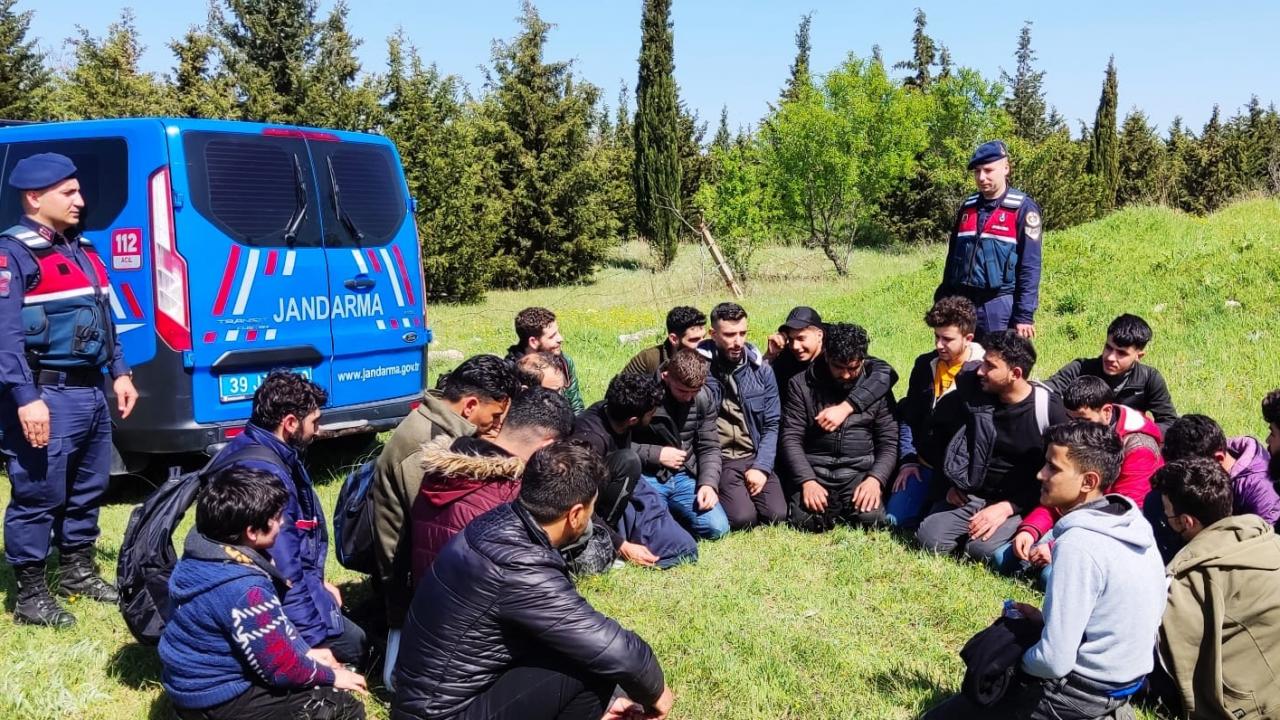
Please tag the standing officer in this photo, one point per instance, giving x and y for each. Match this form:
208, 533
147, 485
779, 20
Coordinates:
993, 258
56, 338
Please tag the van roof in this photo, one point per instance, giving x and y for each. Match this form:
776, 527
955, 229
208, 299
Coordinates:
175, 124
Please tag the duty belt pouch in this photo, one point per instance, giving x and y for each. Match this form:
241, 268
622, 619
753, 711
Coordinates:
35, 327
87, 341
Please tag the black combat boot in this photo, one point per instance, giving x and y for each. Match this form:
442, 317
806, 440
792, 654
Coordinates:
79, 576
35, 606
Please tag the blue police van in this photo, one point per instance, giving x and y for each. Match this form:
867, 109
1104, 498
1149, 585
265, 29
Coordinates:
236, 248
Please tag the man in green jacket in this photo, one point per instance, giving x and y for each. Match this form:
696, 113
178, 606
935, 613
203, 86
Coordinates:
686, 328
1220, 635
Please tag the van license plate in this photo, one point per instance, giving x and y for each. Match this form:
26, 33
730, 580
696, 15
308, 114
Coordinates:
242, 386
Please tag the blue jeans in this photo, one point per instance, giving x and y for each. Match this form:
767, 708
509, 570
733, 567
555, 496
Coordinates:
1006, 562
906, 507
680, 493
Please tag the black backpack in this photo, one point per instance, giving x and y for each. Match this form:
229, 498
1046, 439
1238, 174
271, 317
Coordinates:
353, 520
147, 555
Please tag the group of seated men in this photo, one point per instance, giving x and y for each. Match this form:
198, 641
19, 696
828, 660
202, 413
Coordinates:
501, 486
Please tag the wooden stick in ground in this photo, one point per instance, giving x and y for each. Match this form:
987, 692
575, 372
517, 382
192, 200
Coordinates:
725, 271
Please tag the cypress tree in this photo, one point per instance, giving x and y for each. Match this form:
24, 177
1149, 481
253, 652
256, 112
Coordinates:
800, 76
656, 174
23, 75
723, 138
944, 63
924, 54
1103, 160
1025, 102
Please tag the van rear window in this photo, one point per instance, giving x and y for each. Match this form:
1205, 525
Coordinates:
369, 190
102, 166
254, 187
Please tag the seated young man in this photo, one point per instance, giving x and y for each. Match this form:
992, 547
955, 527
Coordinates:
679, 450
538, 331
750, 413
631, 511
497, 629
229, 651
1245, 460
991, 465
798, 343
1105, 597
470, 476
837, 476
931, 412
1221, 629
284, 417
1135, 385
686, 327
541, 369
1271, 414
1090, 398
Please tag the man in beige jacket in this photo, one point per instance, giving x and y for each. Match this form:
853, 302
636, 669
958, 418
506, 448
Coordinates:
1220, 636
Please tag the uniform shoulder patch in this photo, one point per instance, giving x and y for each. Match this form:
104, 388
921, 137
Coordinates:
1033, 225
6, 281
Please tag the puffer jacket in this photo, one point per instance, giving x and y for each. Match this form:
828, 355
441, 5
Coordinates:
865, 444
1251, 483
498, 596
928, 423
461, 481
758, 395
690, 427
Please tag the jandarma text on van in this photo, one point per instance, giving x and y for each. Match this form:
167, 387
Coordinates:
320, 307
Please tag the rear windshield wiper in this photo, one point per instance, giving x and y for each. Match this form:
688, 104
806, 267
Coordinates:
345, 218
300, 211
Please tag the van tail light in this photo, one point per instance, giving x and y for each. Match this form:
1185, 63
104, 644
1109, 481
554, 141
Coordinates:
173, 316
422, 273
315, 135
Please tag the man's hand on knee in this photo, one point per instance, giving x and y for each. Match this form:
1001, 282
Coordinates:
814, 496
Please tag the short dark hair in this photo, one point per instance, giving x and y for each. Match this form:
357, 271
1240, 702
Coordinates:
282, 394
727, 311
1193, 436
1129, 331
540, 409
688, 367
683, 317
559, 476
1196, 486
1015, 350
531, 321
1271, 407
632, 395
237, 498
488, 377
953, 311
1090, 448
531, 368
845, 342
1087, 391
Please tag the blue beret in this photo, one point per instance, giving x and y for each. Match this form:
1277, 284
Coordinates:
988, 152
40, 171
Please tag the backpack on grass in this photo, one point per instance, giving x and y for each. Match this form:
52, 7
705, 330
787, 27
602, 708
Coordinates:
353, 520
147, 555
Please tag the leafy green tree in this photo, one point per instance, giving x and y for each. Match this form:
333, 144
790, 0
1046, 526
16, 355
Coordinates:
105, 81
199, 89
923, 55
657, 145
1025, 101
1141, 161
267, 46
800, 76
1103, 159
741, 207
24, 79
536, 120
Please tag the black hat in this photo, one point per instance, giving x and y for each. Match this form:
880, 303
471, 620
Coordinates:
802, 317
41, 170
988, 152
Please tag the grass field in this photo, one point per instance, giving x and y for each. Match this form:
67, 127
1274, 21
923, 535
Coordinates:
772, 623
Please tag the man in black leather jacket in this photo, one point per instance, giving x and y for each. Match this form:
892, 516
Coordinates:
497, 629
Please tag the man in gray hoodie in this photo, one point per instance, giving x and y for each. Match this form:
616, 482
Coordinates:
1105, 597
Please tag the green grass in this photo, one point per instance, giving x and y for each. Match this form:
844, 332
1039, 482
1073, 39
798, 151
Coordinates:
772, 623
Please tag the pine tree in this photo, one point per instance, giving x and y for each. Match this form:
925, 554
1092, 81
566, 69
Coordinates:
1179, 147
1141, 161
536, 121
695, 164
944, 63
657, 145
199, 90
924, 54
877, 55
1025, 102
800, 77
23, 75
723, 138
267, 46
332, 95
1213, 172
1103, 160
105, 81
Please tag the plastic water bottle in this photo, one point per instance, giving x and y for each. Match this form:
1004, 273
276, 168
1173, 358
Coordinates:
1010, 611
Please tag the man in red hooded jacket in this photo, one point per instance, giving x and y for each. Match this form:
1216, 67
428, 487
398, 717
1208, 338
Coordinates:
1090, 398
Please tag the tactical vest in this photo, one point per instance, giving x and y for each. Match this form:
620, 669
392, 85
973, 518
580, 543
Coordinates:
65, 316
986, 258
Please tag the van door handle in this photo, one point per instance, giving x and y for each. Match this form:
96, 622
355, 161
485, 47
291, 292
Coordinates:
359, 283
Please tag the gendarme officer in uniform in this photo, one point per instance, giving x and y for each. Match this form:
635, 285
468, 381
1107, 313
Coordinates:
994, 254
56, 340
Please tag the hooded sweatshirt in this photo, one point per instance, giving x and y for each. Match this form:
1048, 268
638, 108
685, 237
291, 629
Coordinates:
1105, 596
228, 630
1251, 487
1222, 625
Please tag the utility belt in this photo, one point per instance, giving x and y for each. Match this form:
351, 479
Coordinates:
980, 296
71, 377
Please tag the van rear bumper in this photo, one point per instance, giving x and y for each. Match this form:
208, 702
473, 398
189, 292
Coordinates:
192, 437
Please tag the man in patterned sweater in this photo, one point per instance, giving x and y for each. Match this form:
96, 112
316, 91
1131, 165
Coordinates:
228, 651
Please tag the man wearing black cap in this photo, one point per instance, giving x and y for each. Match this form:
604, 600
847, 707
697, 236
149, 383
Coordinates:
56, 339
994, 255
